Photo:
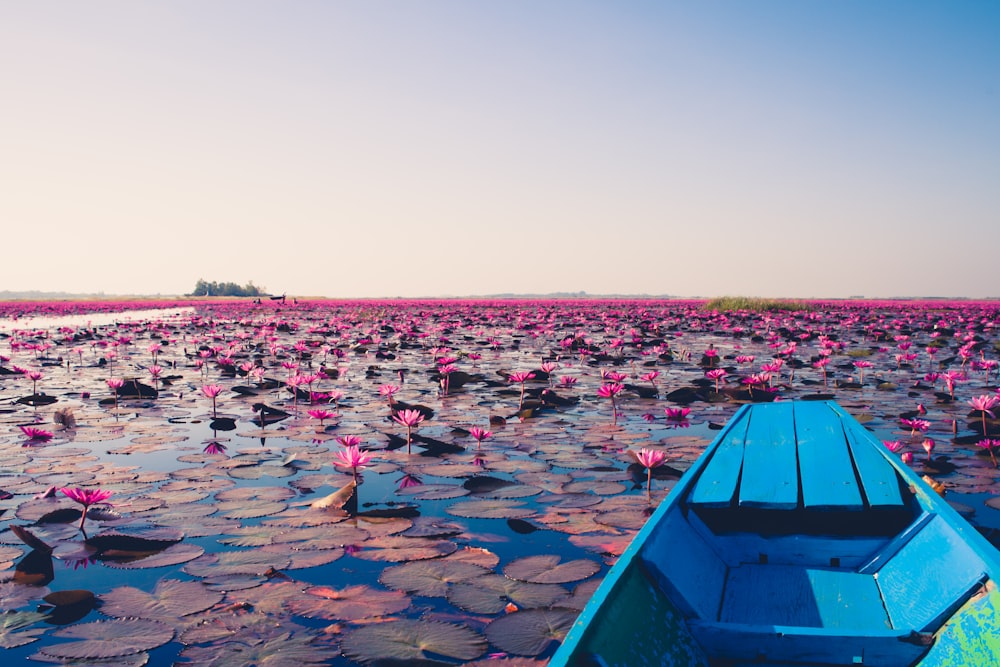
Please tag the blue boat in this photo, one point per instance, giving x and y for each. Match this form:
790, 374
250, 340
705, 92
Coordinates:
796, 539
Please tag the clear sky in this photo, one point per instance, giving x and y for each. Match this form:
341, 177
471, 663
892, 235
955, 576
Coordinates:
369, 148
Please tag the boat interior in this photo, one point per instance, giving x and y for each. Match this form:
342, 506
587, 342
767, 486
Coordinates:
800, 543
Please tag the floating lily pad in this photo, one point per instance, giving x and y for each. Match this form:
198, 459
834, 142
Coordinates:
430, 577
490, 509
109, 639
430, 526
250, 536
172, 555
321, 537
531, 631
242, 623
283, 650
250, 509
16, 630
477, 556
352, 603
170, 599
411, 639
8, 555
491, 593
236, 562
399, 549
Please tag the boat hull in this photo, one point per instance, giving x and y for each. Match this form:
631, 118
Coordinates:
685, 593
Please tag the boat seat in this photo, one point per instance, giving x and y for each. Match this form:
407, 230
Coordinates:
785, 457
802, 597
786, 612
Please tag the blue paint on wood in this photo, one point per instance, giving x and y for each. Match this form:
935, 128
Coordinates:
886, 552
878, 477
685, 567
825, 465
929, 578
779, 644
770, 476
717, 485
806, 597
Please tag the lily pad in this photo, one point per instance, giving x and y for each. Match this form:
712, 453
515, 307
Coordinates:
283, 650
399, 549
109, 639
546, 569
256, 562
170, 599
490, 509
491, 593
352, 603
16, 630
530, 632
411, 639
430, 577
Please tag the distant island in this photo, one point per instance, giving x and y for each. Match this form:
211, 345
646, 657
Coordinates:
204, 288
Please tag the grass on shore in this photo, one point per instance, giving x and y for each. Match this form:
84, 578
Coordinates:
754, 304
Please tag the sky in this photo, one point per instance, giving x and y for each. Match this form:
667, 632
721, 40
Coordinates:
451, 148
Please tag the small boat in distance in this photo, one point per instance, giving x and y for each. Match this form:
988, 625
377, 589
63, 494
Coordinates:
796, 539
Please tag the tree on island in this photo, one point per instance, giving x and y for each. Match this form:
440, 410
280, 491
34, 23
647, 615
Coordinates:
203, 288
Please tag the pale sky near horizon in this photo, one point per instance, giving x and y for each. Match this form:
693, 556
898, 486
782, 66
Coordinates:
367, 149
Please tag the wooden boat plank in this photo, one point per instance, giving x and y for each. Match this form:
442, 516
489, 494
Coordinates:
770, 476
929, 578
785, 644
885, 554
717, 484
825, 466
768, 594
803, 597
693, 576
879, 481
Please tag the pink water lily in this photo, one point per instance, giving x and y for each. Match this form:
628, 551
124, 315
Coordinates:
985, 404
479, 434
893, 445
212, 391
915, 425
86, 497
322, 415
861, 366
649, 459
214, 447
611, 391
989, 444
717, 374
34, 376
353, 457
35, 434
928, 446
388, 390
409, 419
115, 384
677, 414
521, 377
